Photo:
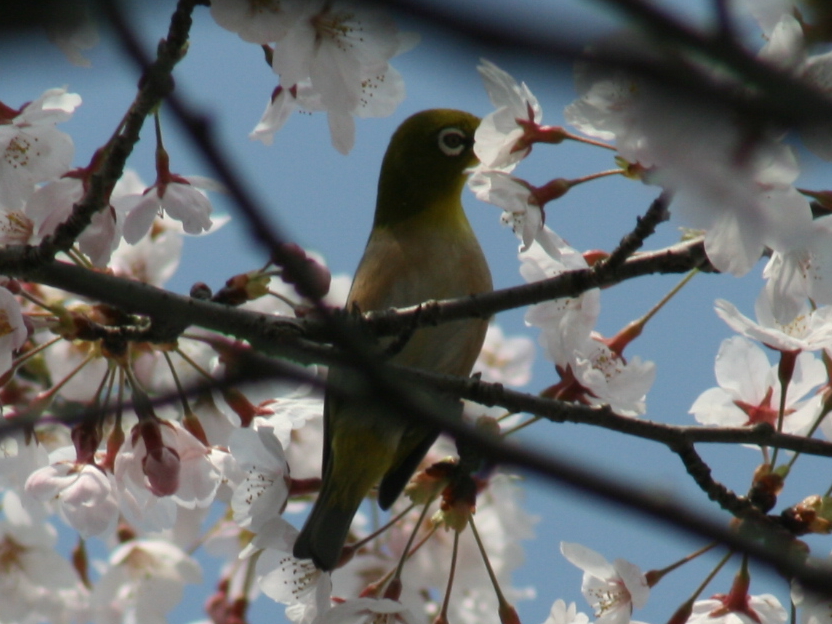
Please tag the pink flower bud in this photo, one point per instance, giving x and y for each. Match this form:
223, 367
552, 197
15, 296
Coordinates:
161, 467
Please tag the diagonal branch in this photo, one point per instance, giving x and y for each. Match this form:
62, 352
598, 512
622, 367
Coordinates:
156, 83
172, 313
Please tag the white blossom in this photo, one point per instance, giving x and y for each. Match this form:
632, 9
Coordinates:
36, 583
52, 204
515, 197
810, 330
505, 360
612, 589
144, 580
800, 274
736, 189
182, 199
368, 611
33, 150
762, 609
749, 389
263, 494
84, 492
13, 332
561, 614
496, 139
257, 21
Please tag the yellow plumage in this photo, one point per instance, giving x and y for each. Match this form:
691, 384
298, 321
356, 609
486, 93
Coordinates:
421, 247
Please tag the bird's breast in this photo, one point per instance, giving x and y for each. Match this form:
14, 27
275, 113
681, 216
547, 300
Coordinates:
407, 265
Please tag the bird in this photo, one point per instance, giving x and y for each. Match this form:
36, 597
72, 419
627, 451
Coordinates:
421, 247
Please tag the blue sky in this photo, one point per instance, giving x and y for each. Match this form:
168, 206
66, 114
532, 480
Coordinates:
324, 201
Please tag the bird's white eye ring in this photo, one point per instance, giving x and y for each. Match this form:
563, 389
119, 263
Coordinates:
452, 141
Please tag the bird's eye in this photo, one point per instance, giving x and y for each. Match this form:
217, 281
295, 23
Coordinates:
452, 141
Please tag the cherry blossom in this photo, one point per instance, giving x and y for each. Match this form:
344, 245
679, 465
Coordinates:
767, 13
505, 360
368, 611
67, 358
294, 582
13, 332
21, 454
33, 149
810, 330
155, 257
144, 580
609, 379
178, 470
741, 194
561, 614
565, 323
336, 46
37, 583
152, 260
282, 103
257, 21
343, 49
181, 198
515, 197
739, 191
608, 97
612, 589
800, 274
813, 608
52, 204
503, 523
331, 56
762, 609
84, 492
786, 48
749, 389
498, 140
590, 370
262, 495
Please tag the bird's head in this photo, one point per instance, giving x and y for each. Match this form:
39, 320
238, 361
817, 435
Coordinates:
425, 164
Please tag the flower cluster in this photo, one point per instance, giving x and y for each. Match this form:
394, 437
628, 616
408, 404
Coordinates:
330, 56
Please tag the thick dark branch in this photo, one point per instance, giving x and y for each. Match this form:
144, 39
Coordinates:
678, 258
737, 505
172, 313
645, 227
672, 436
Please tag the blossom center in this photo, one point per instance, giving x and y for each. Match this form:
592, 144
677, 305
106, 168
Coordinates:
10, 553
336, 28
15, 227
261, 7
609, 598
606, 362
5, 326
17, 151
762, 413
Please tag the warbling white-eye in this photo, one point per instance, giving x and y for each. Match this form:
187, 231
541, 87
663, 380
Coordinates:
421, 247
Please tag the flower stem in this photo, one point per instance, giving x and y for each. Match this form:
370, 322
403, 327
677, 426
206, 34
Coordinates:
446, 601
501, 599
654, 576
383, 528
410, 539
522, 425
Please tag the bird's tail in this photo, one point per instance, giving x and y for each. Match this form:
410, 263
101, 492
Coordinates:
325, 531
